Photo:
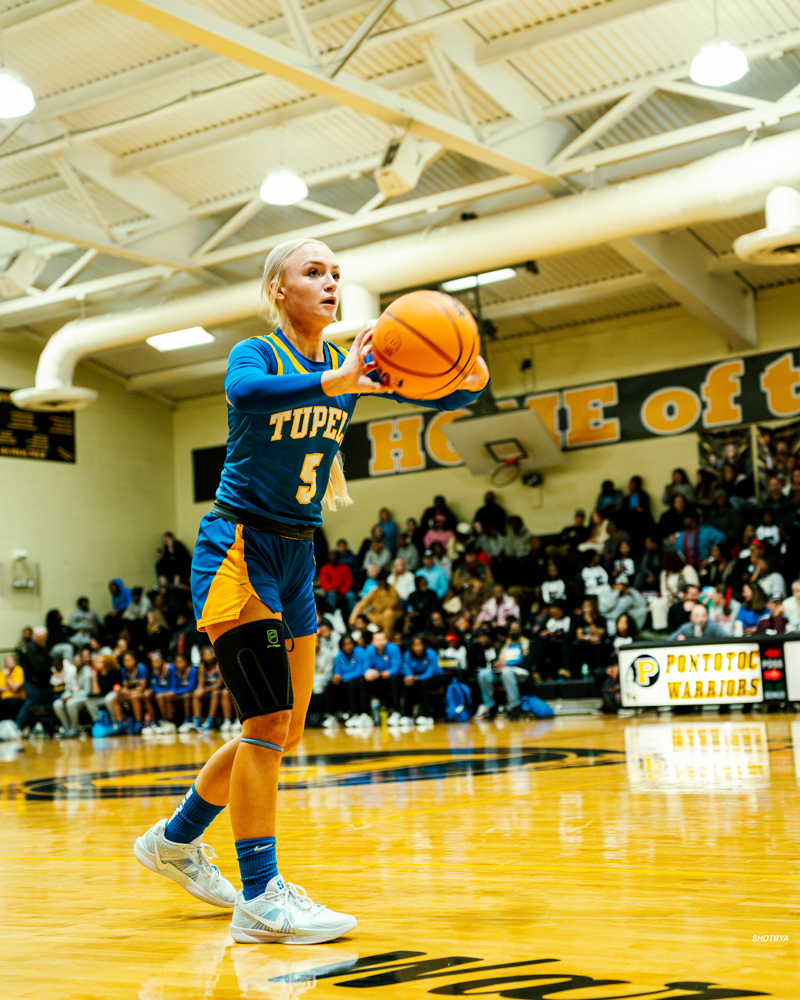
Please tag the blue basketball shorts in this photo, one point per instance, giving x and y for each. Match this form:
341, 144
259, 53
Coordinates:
233, 563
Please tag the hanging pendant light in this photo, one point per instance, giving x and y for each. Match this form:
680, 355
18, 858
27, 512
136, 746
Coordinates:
283, 187
16, 98
718, 62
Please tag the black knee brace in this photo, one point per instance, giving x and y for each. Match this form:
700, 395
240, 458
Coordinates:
254, 665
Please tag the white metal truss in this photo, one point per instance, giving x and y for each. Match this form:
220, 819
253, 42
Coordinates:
200, 27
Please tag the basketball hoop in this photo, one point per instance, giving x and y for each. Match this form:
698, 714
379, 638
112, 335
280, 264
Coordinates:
506, 473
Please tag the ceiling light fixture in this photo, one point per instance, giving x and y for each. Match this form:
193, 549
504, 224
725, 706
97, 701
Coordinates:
487, 278
16, 97
718, 62
180, 338
283, 187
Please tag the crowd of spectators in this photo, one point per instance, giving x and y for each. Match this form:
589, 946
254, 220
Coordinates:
486, 600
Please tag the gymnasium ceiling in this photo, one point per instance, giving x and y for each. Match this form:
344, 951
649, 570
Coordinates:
137, 174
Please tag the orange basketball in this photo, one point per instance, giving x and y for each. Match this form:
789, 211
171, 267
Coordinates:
424, 344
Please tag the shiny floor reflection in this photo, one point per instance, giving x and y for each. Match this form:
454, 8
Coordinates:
576, 858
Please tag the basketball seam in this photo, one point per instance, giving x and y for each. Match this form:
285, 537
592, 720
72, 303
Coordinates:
434, 347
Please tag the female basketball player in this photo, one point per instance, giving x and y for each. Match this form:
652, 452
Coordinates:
291, 395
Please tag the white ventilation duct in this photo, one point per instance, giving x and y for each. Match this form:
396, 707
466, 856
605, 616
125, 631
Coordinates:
733, 182
779, 242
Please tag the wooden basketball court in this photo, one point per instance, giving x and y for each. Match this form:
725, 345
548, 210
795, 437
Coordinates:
577, 858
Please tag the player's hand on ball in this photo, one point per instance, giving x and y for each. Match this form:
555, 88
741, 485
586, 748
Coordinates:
478, 378
353, 376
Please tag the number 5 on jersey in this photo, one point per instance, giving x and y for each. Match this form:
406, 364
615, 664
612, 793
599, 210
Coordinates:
308, 474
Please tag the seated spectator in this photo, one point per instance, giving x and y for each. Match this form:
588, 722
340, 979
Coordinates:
681, 608
120, 599
615, 537
435, 575
185, 639
509, 667
209, 687
12, 687
737, 486
452, 655
371, 582
441, 559
648, 573
766, 575
408, 552
83, 623
493, 545
131, 691
474, 594
553, 586
637, 517
389, 528
593, 577
598, 533
680, 485
775, 621
321, 711
569, 538
348, 672
498, 609
415, 535
671, 521
383, 672
330, 636
775, 502
160, 692
589, 644
382, 606
612, 697
377, 555
518, 539
768, 531
58, 635
138, 607
401, 579
420, 671
623, 563
174, 561
26, 638
609, 500
480, 653
363, 631
470, 561
722, 607
158, 632
753, 607
791, 608
792, 489
625, 632
619, 599
453, 610
491, 514
184, 683
719, 566
706, 483
336, 580
695, 541
37, 664
534, 565
435, 629
347, 558
106, 679
428, 520
725, 518
438, 533
698, 626
553, 646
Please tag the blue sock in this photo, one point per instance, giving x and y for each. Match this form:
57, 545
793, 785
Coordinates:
258, 864
191, 817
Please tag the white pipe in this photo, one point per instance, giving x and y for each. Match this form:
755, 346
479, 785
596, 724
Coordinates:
724, 185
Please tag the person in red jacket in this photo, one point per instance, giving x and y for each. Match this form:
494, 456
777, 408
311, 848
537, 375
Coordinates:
336, 579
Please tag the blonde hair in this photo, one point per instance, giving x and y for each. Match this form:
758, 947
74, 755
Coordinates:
274, 274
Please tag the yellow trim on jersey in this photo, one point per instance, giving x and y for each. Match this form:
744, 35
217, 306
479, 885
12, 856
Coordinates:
230, 589
337, 355
274, 339
279, 362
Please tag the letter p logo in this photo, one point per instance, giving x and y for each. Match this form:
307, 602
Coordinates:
645, 670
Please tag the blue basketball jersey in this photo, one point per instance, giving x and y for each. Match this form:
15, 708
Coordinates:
284, 432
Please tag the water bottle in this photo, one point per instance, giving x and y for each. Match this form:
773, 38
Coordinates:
585, 670
376, 711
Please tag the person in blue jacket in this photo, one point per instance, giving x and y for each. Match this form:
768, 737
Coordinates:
184, 684
348, 670
420, 670
162, 679
383, 673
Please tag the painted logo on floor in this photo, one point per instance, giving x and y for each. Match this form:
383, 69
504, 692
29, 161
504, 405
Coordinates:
326, 770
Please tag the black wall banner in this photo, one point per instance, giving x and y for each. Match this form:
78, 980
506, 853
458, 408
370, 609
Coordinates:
27, 434
661, 404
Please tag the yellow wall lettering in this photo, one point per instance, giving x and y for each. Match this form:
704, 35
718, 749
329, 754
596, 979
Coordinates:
755, 661
729, 656
586, 422
718, 661
674, 690
781, 381
712, 689
693, 657
396, 445
706, 658
742, 686
670, 411
722, 386
682, 663
743, 660
754, 682
698, 689
670, 660
436, 442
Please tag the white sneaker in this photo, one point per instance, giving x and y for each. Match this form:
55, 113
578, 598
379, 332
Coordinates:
186, 864
482, 710
236, 726
394, 719
406, 720
365, 721
284, 913
165, 728
424, 720
329, 722
187, 727
226, 726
